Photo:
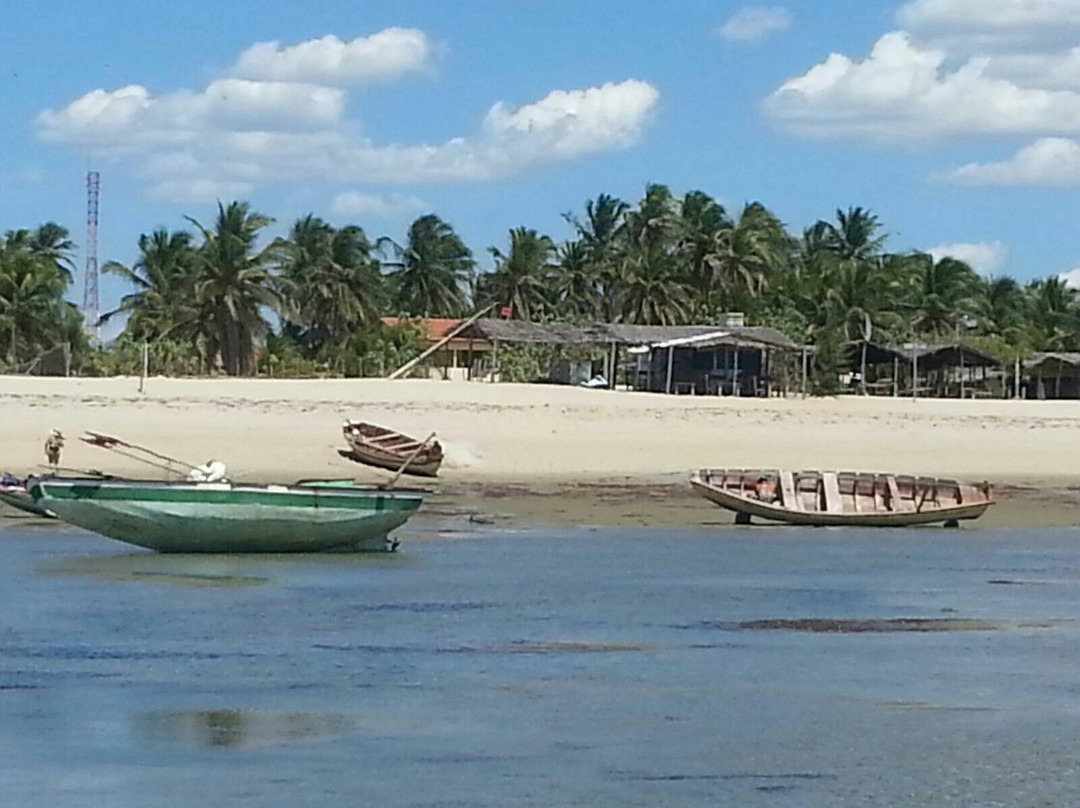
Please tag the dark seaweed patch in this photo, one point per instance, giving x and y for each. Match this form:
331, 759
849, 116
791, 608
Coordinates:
813, 625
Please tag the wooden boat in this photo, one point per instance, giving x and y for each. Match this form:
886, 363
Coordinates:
13, 492
224, 517
823, 498
387, 449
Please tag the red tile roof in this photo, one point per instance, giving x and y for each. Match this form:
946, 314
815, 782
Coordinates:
437, 327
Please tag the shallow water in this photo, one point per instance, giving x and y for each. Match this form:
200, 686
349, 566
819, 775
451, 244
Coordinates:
595, 667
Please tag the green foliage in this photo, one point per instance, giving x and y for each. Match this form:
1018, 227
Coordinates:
526, 363
311, 304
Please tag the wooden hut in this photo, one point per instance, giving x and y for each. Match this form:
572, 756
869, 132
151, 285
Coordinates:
1052, 375
942, 370
702, 358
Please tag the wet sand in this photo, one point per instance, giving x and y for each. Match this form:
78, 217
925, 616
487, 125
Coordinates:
676, 506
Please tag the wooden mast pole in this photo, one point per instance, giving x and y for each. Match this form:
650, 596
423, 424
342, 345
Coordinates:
453, 333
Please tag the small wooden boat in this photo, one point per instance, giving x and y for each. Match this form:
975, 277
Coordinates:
224, 517
824, 498
387, 449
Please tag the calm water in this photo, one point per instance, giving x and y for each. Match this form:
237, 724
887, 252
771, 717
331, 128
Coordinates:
548, 668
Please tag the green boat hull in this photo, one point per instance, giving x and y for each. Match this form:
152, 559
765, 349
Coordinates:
226, 518
26, 504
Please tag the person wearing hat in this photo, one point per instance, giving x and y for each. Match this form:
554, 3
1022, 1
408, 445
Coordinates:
53, 445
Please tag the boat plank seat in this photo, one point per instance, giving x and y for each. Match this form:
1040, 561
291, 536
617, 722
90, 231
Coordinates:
787, 491
386, 438
895, 502
831, 486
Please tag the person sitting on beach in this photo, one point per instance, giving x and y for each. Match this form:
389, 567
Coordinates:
765, 489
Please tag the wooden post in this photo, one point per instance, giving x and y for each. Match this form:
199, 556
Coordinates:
145, 365
862, 369
468, 372
494, 358
895, 376
670, 365
804, 371
735, 379
614, 365
1057, 381
914, 373
961, 372
1016, 378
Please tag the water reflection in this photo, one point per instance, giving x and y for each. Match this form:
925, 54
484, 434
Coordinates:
238, 728
197, 571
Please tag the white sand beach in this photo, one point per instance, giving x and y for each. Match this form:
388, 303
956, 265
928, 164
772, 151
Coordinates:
535, 434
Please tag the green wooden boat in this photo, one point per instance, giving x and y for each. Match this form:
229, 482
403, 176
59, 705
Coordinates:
223, 517
20, 498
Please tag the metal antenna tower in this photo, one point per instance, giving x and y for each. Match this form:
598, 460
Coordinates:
90, 294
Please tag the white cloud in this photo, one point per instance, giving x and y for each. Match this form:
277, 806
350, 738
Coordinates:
200, 190
384, 207
986, 258
989, 15
387, 54
240, 133
903, 90
566, 124
131, 117
753, 23
1060, 70
1071, 278
1048, 161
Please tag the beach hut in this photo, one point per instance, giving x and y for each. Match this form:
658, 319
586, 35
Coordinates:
939, 370
1053, 375
702, 358
458, 358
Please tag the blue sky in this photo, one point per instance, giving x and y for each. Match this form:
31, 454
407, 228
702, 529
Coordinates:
953, 120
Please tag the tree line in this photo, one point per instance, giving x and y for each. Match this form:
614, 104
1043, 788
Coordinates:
215, 297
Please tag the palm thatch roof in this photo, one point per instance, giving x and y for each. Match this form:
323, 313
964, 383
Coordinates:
929, 356
520, 331
1051, 362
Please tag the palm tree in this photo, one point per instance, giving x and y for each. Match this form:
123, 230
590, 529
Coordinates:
945, 292
599, 236
31, 292
1054, 317
332, 277
164, 276
522, 278
233, 285
701, 221
430, 274
653, 291
577, 282
1001, 309
49, 242
855, 234
745, 256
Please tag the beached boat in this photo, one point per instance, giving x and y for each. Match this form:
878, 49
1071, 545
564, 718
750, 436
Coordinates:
387, 449
13, 492
824, 498
224, 517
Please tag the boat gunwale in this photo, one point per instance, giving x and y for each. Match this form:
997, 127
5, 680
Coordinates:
740, 503
368, 498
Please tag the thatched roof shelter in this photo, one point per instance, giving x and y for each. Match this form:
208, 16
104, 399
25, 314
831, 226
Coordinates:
1050, 364
929, 357
607, 334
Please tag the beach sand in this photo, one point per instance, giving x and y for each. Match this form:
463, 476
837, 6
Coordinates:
555, 454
